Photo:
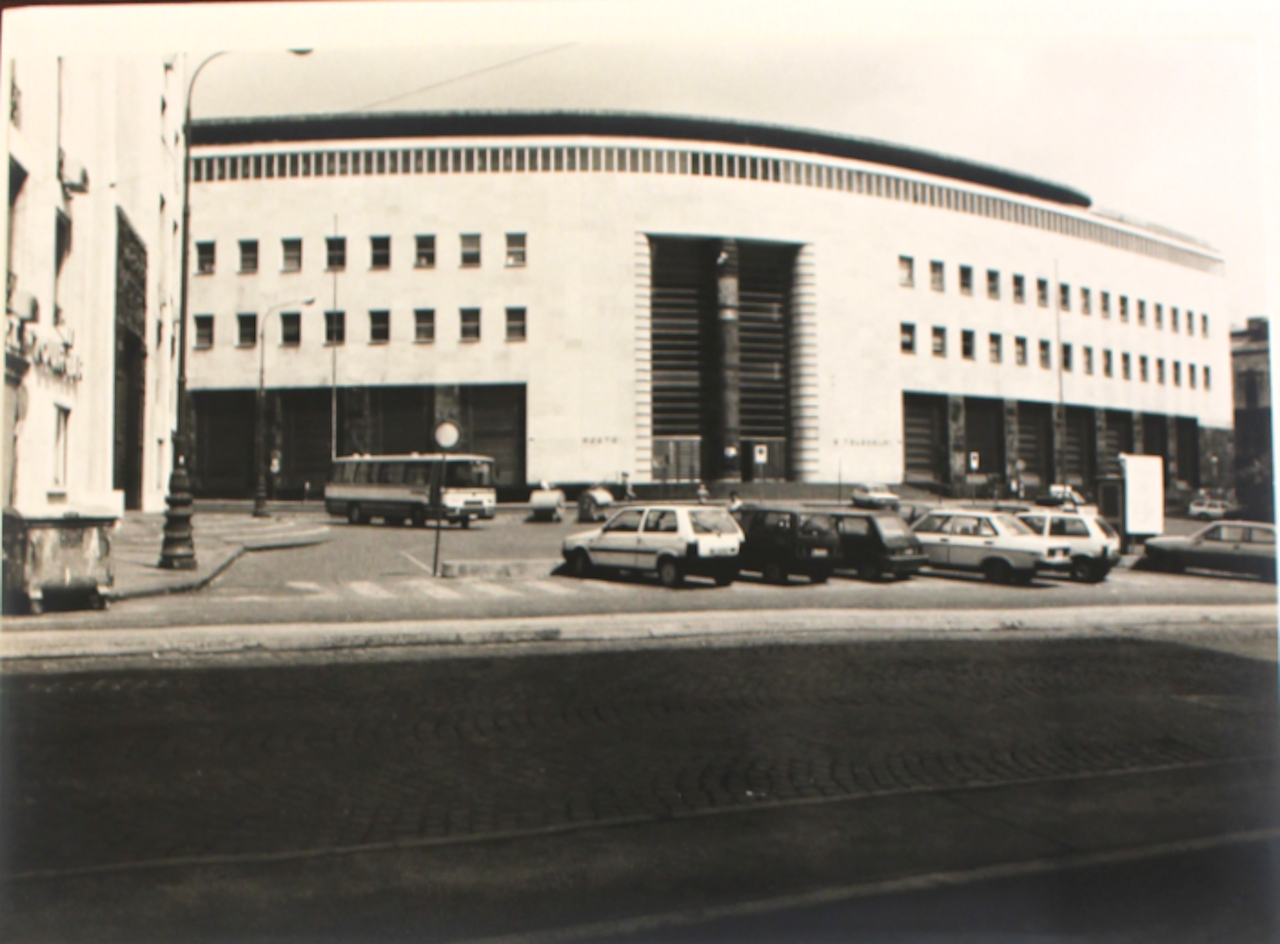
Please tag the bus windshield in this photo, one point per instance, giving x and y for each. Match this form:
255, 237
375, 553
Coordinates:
469, 473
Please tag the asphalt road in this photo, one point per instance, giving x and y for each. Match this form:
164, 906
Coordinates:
374, 572
1110, 788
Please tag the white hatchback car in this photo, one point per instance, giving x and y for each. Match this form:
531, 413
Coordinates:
995, 543
1094, 544
670, 540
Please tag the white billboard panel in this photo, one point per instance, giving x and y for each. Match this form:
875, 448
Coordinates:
1143, 494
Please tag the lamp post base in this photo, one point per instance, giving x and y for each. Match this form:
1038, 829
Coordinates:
178, 551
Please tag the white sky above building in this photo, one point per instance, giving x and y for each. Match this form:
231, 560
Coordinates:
1163, 111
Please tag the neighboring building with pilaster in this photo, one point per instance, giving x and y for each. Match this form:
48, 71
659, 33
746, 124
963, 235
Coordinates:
682, 300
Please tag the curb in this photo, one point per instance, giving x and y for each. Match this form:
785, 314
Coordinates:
671, 628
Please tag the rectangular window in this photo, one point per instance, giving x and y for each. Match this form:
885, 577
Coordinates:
1173, 319
1142, 368
1088, 360
939, 342
336, 252
1177, 373
1108, 367
1204, 326
1159, 316
515, 249
966, 280
471, 324
1042, 293
290, 329
1064, 296
204, 331
906, 272
1142, 312
1086, 302
1019, 290
292, 249
335, 327
204, 258
379, 251
1124, 307
1191, 324
1020, 351
1126, 367
248, 256
993, 285
515, 324
1206, 377
936, 278
248, 329
1066, 358
1046, 355
966, 345
379, 327
471, 250
994, 348
1191, 375
1160, 370
1106, 304
424, 325
907, 338
60, 435
425, 257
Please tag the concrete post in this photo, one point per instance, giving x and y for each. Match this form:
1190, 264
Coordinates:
730, 378
956, 443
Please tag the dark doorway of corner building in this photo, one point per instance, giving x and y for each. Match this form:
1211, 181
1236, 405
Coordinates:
1189, 451
686, 362
130, 359
1035, 445
1079, 460
984, 434
1119, 439
222, 453
1155, 436
924, 441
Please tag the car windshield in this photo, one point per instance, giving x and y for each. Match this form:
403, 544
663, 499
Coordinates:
1106, 527
890, 525
1011, 525
712, 521
469, 473
815, 524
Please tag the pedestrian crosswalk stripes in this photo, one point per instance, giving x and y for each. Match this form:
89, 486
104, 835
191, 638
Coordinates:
367, 588
433, 589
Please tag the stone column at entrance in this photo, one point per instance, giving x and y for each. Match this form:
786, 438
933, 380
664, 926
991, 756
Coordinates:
1102, 458
1139, 440
1012, 474
730, 376
1171, 451
956, 443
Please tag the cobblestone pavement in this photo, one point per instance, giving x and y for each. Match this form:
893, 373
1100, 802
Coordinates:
121, 768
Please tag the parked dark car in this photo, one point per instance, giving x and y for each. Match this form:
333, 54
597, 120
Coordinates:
875, 543
1244, 547
780, 540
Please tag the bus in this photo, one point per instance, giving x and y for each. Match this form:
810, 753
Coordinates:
411, 488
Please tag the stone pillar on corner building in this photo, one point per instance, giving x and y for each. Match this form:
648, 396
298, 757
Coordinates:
1059, 415
729, 462
1012, 474
1171, 452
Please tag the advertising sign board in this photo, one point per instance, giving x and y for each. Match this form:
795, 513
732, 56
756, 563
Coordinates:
1143, 494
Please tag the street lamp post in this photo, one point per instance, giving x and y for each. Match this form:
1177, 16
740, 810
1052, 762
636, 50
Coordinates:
178, 552
260, 495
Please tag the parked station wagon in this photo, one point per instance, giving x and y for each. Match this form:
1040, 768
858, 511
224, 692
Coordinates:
996, 544
673, 541
875, 543
779, 541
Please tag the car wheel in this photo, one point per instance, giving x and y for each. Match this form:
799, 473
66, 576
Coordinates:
355, 515
774, 573
580, 564
394, 520
870, 571
997, 571
1083, 570
726, 577
819, 576
465, 522
1023, 578
669, 572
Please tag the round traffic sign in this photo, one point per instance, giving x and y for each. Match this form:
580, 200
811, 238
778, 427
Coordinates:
447, 435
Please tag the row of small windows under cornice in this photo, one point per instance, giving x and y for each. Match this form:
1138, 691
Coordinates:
291, 327
1081, 297
1105, 364
715, 164
335, 248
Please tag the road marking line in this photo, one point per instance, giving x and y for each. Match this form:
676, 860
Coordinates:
305, 586
555, 589
416, 561
367, 588
493, 589
434, 590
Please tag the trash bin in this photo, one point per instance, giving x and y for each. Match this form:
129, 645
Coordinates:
67, 559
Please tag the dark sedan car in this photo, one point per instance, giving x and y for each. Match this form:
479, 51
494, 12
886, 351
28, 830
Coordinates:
877, 543
779, 541
1244, 547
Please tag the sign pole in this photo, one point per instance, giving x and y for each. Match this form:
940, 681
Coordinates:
447, 436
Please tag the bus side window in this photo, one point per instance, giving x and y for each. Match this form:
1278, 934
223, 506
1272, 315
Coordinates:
391, 473
417, 473
362, 471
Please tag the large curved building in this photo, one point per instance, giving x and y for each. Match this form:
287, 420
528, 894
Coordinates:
680, 300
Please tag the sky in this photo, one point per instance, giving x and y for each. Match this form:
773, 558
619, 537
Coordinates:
1166, 112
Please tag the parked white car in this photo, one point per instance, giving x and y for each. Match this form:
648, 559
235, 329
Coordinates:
670, 540
1211, 509
994, 543
875, 495
1094, 544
